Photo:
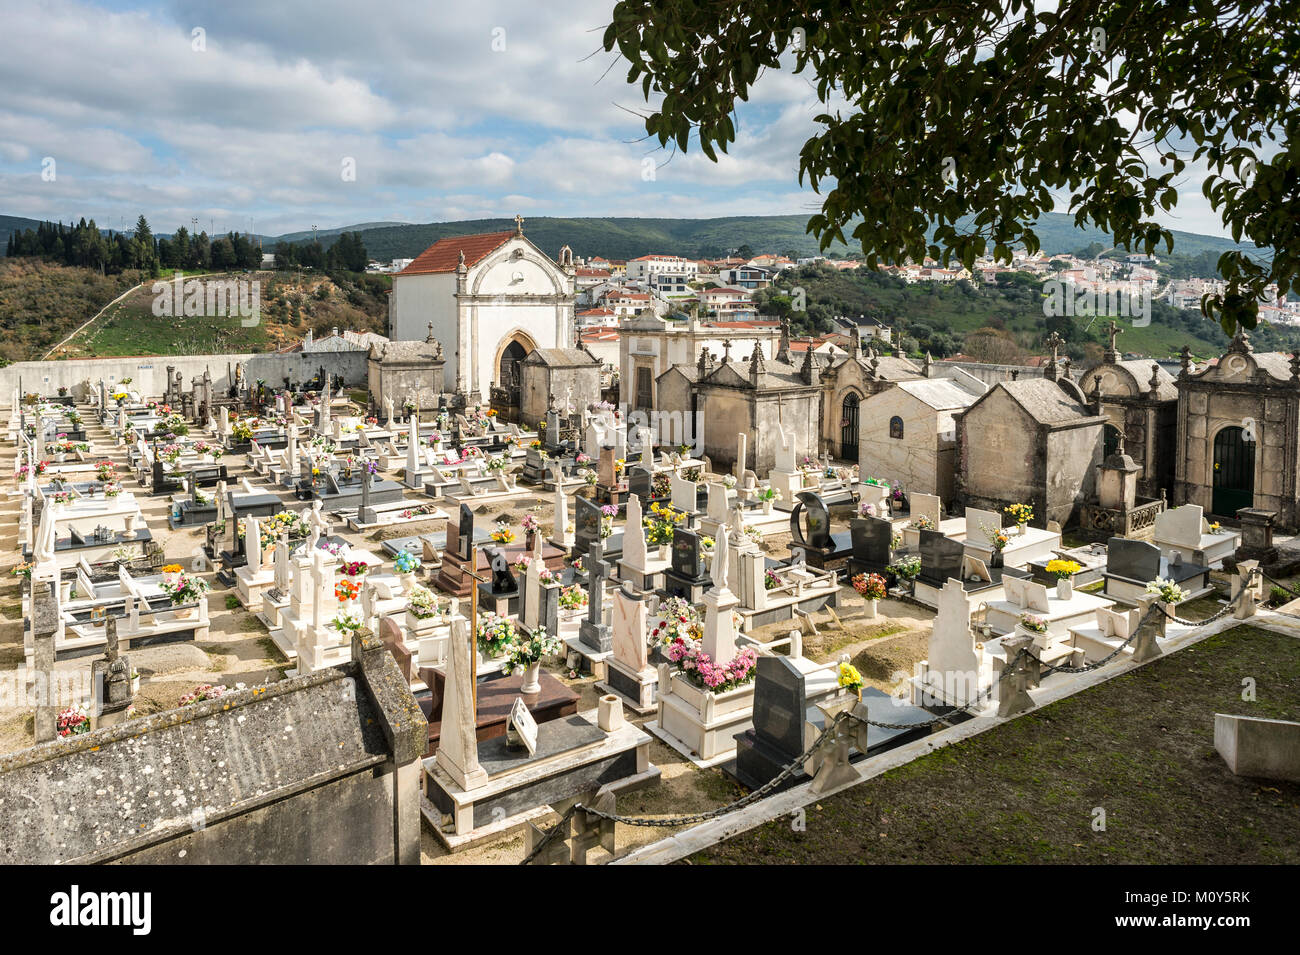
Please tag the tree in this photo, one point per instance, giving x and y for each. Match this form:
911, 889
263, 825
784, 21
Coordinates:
966, 117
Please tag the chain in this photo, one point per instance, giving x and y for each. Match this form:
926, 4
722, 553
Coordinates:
796, 764
1279, 584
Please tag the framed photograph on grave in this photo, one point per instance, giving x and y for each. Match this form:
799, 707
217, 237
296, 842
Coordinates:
521, 728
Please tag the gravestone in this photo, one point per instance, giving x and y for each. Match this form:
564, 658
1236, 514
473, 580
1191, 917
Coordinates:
640, 482
941, 558
686, 577
810, 523
464, 531
521, 728
776, 739
1133, 560
873, 545
587, 518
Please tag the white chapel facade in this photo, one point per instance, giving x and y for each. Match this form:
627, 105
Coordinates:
491, 300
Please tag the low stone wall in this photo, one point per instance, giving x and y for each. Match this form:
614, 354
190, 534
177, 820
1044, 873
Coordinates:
149, 373
318, 769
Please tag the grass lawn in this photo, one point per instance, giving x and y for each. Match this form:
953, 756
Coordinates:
1140, 746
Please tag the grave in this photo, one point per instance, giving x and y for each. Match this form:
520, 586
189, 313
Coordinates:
686, 576
1184, 531
481, 787
944, 559
810, 529
1131, 565
628, 672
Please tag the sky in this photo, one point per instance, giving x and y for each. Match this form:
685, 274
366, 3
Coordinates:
276, 117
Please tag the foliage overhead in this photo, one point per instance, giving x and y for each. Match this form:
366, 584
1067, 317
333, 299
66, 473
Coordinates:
965, 117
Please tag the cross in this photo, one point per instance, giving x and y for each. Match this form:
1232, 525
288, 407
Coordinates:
726, 350
1054, 342
1112, 332
519, 225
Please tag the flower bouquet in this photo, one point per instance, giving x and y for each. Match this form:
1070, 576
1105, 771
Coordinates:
525, 656
1022, 514
850, 679
922, 523
354, 568
700, 669
423, 604
1168, 591
73, 721
406, 563
496, 635
346, 622
1063, 570
502, 533
572, 597
204, 691
184, 589
346, 590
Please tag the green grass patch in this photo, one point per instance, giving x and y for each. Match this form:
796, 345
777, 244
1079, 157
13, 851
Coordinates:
1140, 746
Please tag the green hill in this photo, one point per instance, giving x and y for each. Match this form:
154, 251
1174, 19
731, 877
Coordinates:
624, 238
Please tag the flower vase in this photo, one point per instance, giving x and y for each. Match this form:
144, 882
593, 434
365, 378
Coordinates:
184, 613
532, 678
767, 507
1064, 588
1020, 530
995, 559
663, 551
871, 609
528, 541
407, 580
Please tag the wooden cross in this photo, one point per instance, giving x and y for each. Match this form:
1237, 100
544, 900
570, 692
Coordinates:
473, 622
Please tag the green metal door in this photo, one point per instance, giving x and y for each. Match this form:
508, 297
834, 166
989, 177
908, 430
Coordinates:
1234, 472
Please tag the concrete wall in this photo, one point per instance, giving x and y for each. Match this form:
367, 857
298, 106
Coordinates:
150, 373
1071, 475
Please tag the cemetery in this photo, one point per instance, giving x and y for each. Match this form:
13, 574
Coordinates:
587, 643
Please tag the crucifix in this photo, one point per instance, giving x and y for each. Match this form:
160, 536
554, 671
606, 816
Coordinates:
519, 225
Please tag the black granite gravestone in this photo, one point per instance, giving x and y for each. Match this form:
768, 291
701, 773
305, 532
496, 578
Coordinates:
873, 545
1132, 560
687, 576
586, 524
940, 558
464, 532
639, 481
777, 738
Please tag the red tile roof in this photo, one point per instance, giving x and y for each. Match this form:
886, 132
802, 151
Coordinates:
444, 255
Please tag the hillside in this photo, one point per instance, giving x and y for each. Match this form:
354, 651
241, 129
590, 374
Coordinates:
1002, 323
623, 238
41, 304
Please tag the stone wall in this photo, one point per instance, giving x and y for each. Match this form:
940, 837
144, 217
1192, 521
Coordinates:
149, 373
317, 769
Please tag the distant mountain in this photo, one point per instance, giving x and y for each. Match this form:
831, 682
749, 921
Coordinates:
624, 238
